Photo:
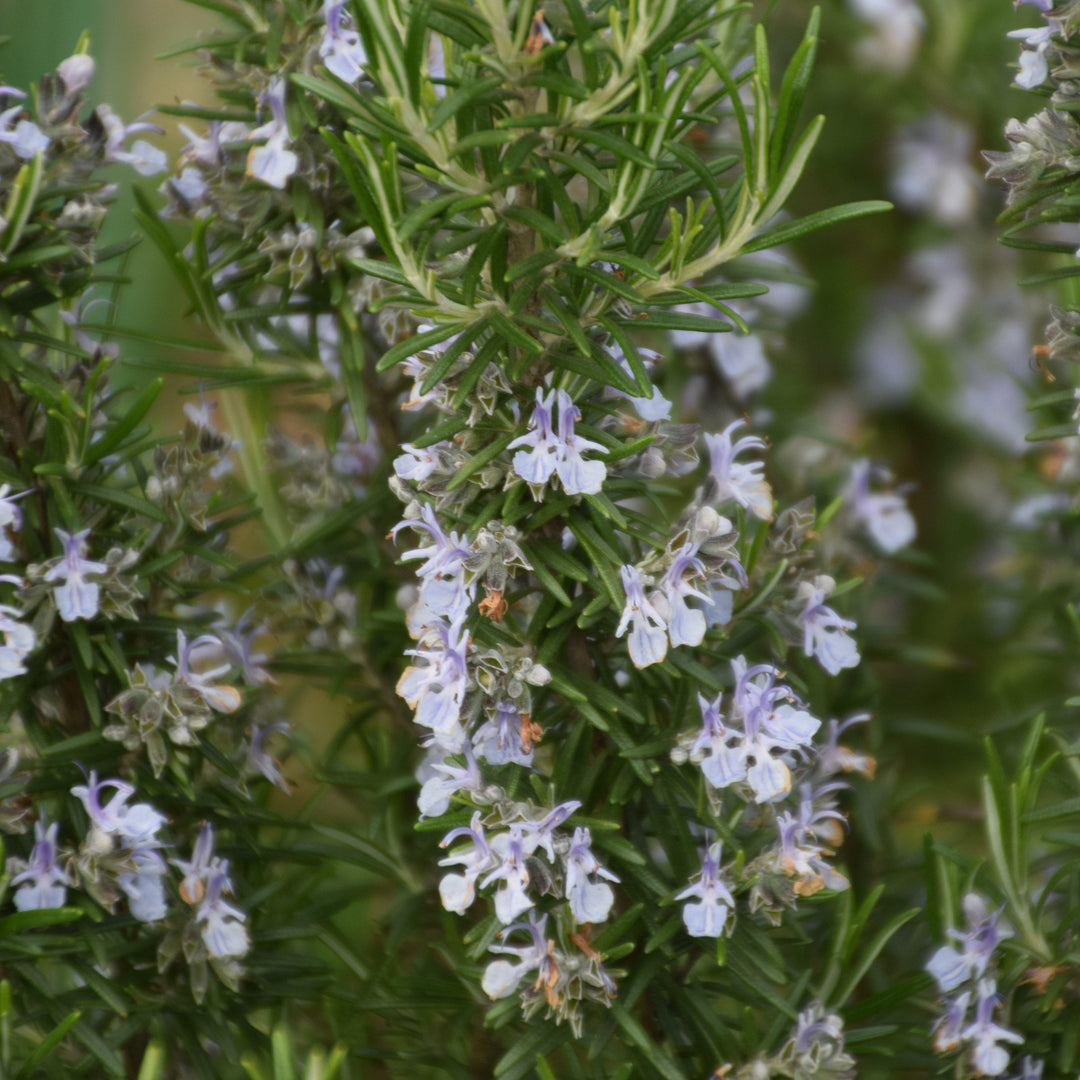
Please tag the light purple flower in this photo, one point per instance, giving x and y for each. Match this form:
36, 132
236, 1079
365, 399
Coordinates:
222, 925
810, 834
206, 880
189, 186
766, 720
948, 1029
218, 696
1030, 1069
457, 891
76, 72
436, 791
714, 905
273, 163
542, 832
134, 826
341, 49
884, 515
536, 464
25, 138
989, 1058
498, 740
951, 966
10, 518
145, 886
436, 690
648, 641
825, 633
416, 465
20, 639
144, 158
741, 482
76, 598
685, 625
1034, 68
578, 476
238, 646
444, 556
512, 848
502, 977
42, 884
590, 901
259, 760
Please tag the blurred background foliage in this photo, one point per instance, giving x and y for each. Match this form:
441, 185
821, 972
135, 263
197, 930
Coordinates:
917, 349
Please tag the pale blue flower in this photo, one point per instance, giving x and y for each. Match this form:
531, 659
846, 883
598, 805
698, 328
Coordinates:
457, 891
436, 690
501, 977
948, 1029
134, 826
238, 645
884, 515
765, 717
685, 625
578, 476
447, 781
444, 556
498, 739
741, 482
42, 884
341, 49
19, 640
10, 518
1034, 69
76, 598
76, 72
825, 633
416, 465
25, 138
512, 848
951, 966
218, 696
206, 880
718, 749
222, 925
143, 157
714, 905
810, 834
648, 641
1030, 1069
273, 163
590, 901
542, 832
259, 760
145, 886
536, 464
989, 1058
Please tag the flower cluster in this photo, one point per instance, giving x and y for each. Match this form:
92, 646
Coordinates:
965, 972
814, 1051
